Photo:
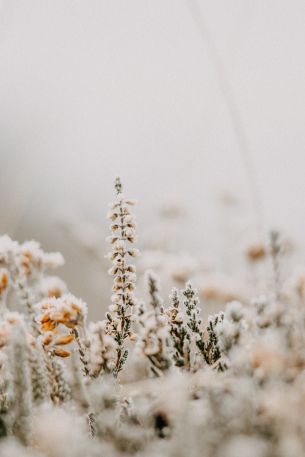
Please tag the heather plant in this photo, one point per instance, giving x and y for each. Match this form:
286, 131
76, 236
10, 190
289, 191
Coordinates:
228, 384
123, 299
153, 340
179, 333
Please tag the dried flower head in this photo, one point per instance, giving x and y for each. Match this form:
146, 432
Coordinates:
66, 310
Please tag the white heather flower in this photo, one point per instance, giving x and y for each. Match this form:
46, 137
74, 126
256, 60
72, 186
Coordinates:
123, 298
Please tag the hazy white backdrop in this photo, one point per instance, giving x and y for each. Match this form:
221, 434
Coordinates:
91, 89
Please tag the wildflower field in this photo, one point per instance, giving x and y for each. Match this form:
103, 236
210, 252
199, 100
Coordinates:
155, 376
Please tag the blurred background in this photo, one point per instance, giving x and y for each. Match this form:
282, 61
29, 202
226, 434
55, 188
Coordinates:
199, 107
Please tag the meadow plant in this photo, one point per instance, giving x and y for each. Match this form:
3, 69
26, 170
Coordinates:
123, 300
228, 384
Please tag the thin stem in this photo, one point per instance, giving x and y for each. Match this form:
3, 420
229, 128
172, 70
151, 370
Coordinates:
227, 92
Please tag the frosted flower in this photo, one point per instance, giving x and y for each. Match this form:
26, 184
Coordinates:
153, 341
55, 343
4, 282
123, 298
53, 286
9, 321
154, 338
179, 333
102, 349
8, 253
33, 259
192, 309
66, 310
228, 331
153, 285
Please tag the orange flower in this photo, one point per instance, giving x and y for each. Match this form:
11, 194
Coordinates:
61, 352
66, 310
48, 326
47, 340
65, 339
3, 281
256, 252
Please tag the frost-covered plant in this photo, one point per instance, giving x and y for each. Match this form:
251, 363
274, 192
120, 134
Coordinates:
102, 350
191, 304
179, 333
123, 300
60, 321
154, 335
229, 384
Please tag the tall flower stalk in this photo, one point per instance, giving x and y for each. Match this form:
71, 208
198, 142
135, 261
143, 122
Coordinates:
123, 299
191, 304
154, 338
179, 333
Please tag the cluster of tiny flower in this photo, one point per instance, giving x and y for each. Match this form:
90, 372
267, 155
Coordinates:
123, 299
